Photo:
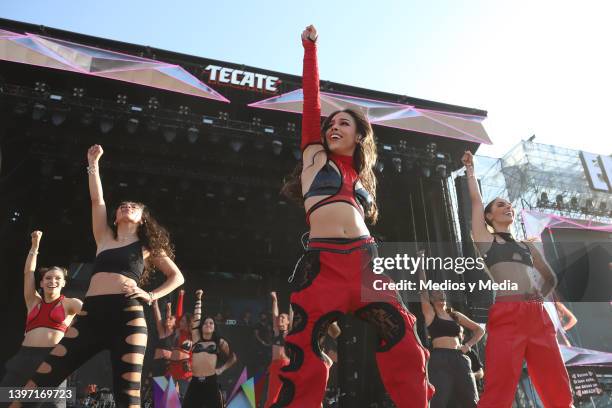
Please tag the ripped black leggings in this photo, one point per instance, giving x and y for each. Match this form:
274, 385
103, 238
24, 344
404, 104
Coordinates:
106, 322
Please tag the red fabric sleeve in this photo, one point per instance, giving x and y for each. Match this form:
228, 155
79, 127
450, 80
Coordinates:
311, 111
179, 306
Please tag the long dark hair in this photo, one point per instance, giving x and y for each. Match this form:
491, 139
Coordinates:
216, 336
364, 160
152, 235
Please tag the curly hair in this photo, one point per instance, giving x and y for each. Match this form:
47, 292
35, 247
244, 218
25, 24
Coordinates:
364, 160
153, 236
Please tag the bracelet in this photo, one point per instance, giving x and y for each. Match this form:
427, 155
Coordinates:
92, 169
151, 298
33, 253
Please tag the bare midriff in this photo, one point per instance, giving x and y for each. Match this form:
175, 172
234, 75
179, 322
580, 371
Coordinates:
335, 220
43, 336
107, 283
446, 342
278, 352
203, 364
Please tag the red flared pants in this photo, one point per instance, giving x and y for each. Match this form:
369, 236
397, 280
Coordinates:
519, 331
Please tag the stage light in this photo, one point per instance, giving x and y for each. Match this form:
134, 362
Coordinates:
403, 145
387, 148
256, 122
121, 99
132, 125
559, 201
57, 98
169, 133
58, 117
153, 103
441, 170
40, 87
208, 120
78, 92
426, 171
223, 115
290, 127
380, 165
38, 111
277, 147
106, 124
269, 130
431, 149
236, 145
397, 164
183, 110
193, 134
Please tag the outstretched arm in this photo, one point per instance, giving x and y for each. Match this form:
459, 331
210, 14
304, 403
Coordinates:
197, 316
98, 207
32, 298
479, 226
311, 111
179, 305
275, 313
158, 318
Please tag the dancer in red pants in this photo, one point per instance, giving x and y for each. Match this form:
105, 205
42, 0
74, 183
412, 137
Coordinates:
279, 359
333, 276
519, 327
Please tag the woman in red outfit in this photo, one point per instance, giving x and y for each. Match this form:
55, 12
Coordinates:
48, 318
165, 335
519, 327
338, 186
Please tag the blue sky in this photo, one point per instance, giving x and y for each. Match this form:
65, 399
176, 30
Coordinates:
538, 67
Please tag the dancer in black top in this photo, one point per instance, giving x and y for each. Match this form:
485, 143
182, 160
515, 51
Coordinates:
203, 390
112, 317
450, 369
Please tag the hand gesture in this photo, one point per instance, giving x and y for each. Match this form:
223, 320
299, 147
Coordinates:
132, 291
36, 236
465, 348
94, 153
273, 295
468, 159
310, 33
199, 293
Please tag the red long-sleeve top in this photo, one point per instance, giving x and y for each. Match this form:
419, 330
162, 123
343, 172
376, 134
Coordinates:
311, 110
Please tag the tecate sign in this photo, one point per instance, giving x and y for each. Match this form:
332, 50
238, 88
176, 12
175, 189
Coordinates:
242, 79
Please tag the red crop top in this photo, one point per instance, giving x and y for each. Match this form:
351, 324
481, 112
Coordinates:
49, 315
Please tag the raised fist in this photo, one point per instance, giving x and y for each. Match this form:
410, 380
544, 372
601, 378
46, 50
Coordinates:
310, 33
94, 153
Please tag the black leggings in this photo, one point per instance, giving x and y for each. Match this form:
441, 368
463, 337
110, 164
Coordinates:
203, 392
450, 371
106, 322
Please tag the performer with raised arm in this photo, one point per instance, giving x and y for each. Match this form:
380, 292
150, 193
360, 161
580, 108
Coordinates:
337, 184
281, 325
203, 390
112, 317
47, 320
450, 369
519, 327
165, 335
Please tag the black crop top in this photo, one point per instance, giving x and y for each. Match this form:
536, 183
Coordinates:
509, 251
340, 187
126, 260
443, 328
199, 347
279, 340
165, 343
